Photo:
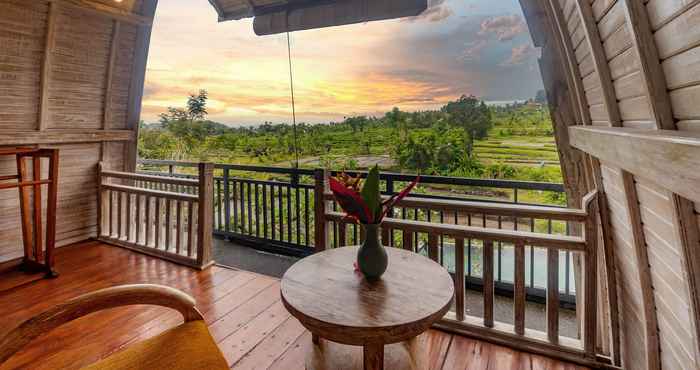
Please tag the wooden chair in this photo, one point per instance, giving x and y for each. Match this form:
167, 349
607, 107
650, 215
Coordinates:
187, 346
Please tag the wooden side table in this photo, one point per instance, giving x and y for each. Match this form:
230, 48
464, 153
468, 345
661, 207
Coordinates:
341, 309
30, 200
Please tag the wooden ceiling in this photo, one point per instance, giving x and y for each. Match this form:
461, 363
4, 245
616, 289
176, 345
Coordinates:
278, 16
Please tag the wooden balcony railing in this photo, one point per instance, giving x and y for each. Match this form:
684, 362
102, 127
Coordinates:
272, 209
168, 217
548, 342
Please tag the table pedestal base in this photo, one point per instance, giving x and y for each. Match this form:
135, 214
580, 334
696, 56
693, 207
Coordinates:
327, 355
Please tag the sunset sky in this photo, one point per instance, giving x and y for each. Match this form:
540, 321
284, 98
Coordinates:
479, 47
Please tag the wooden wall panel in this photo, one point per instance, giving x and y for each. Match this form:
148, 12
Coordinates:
78, 73
70, 82
640, 58
669, 277
22, 35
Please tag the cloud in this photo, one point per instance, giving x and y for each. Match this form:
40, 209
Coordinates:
437, 11
505, 27
520, 54
474, 50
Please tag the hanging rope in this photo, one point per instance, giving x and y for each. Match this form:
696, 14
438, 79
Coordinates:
294, 113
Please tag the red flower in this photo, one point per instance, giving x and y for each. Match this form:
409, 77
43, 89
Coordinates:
350, 201
355, 205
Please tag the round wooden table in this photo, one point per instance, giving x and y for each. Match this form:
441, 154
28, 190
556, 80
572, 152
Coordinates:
352, 320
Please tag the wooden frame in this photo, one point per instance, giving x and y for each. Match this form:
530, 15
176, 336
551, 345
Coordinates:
119, 296
31, 207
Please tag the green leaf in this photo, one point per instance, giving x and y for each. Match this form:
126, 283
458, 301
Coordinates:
370, 192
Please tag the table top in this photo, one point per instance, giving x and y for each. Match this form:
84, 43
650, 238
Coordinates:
334, 301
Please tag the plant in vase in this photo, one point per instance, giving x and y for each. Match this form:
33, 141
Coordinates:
362, 203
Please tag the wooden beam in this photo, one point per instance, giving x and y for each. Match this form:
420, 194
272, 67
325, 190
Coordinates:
103, 10
138, 73
652, 74
671, 158
610, 264
689, 238
600, 61
578, 91
649, 320
561, 105
114, 43
63, 136
50, 39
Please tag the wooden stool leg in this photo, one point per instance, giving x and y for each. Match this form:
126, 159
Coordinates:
36, 169
373, 356
51, 213
25, 212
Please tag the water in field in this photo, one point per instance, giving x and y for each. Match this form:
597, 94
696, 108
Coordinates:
535, 264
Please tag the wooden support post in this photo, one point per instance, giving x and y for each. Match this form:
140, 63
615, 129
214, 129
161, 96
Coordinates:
459, 278
138, 76
204, 216
488, 282
342, 234
159, 223
590, 294
407, 240
100, 202
320, 224
553, 295
51, 211
519, 289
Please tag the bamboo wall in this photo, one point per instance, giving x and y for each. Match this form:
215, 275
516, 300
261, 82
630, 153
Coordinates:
71, 76
636, 64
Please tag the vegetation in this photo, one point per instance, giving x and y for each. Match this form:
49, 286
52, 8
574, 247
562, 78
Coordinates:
465, 138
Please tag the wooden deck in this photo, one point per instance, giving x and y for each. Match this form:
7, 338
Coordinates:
243, 310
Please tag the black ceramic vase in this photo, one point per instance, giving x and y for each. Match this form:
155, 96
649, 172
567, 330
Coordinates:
372, 259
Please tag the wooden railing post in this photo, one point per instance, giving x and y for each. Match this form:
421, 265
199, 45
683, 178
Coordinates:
320, 224
100, 210
205, 217
488, 282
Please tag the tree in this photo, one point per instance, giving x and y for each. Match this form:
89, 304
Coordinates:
196, 110
197, 105
472, 115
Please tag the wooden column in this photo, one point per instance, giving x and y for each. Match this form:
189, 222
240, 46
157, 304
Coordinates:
109, 79
205, 215
594, 179
138, 74
46, 68
320, 205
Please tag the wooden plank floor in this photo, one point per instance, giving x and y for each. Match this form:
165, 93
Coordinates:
243, 311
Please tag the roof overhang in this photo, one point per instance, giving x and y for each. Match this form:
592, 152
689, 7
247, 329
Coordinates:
278, 16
